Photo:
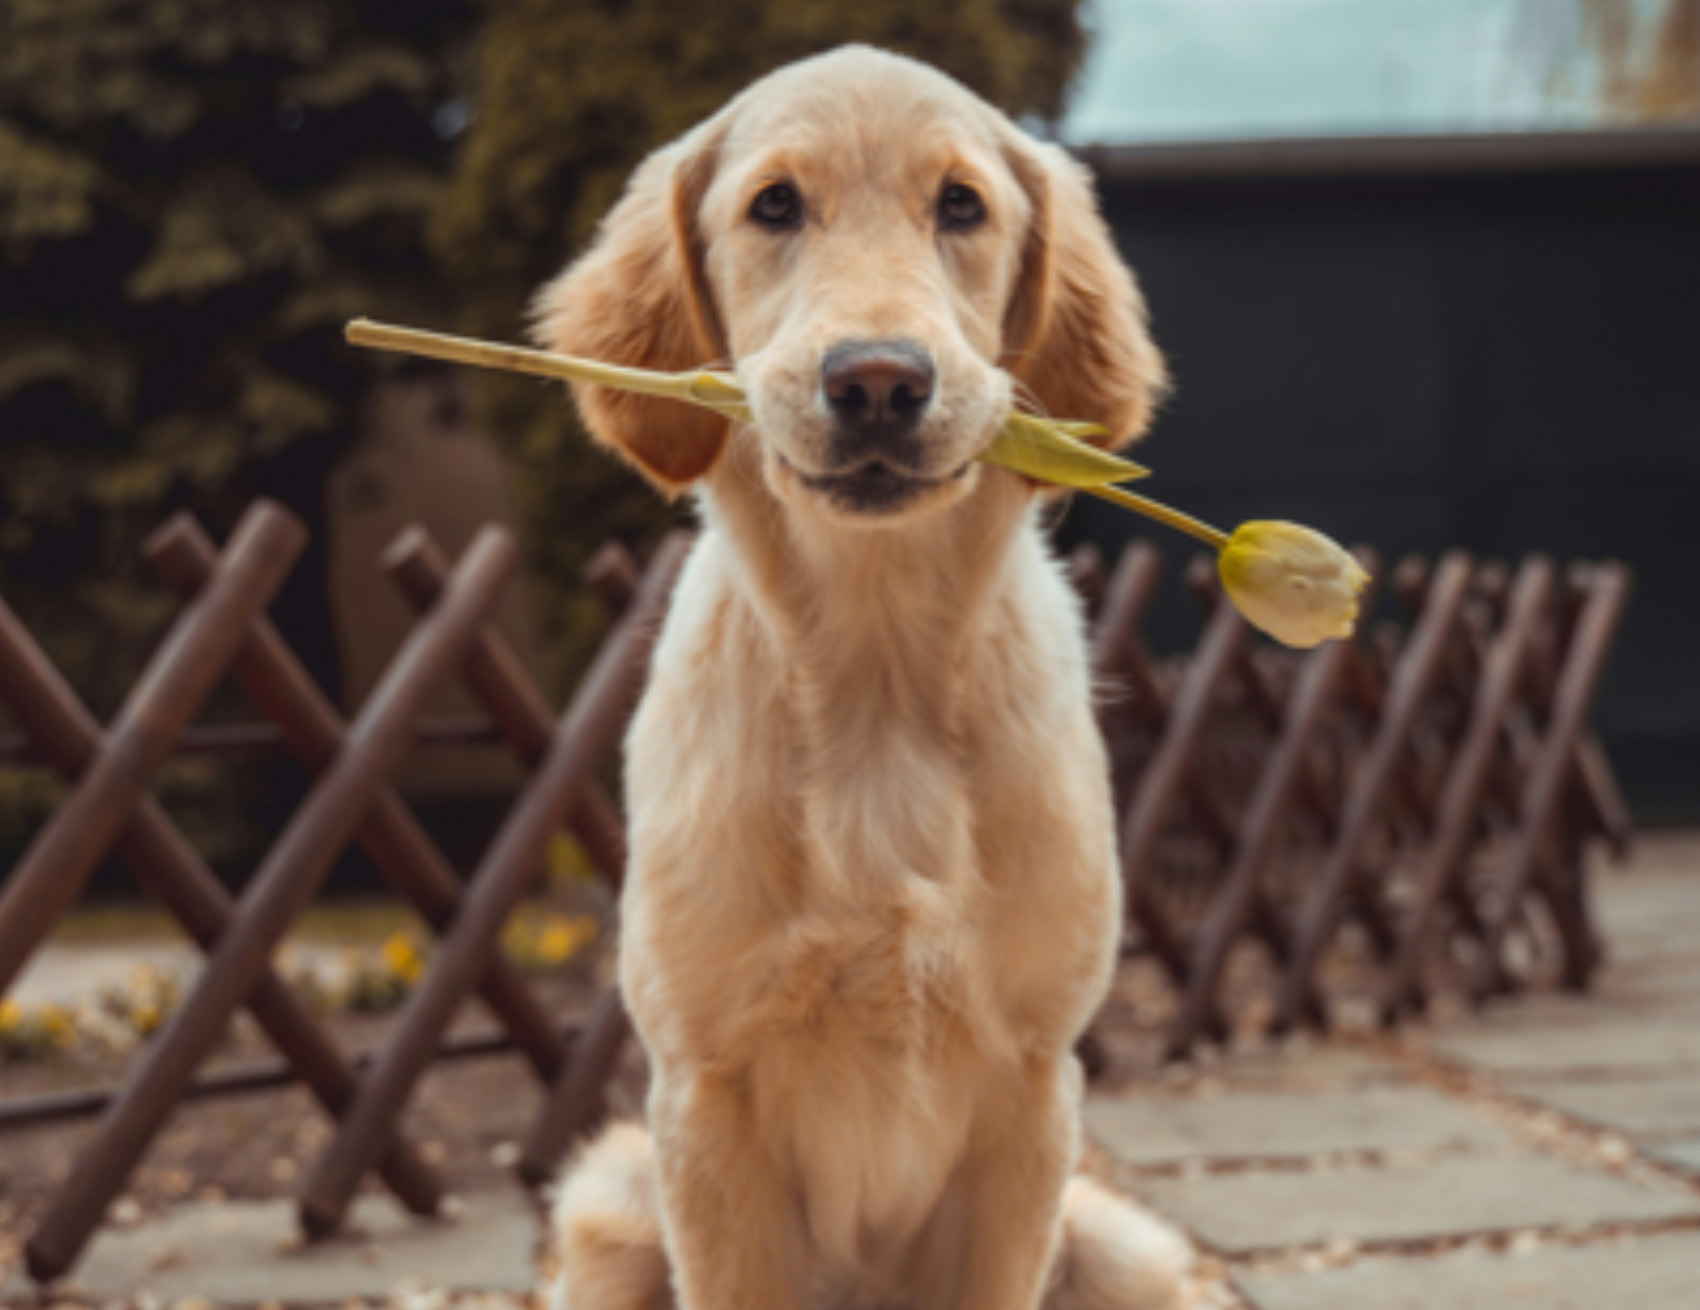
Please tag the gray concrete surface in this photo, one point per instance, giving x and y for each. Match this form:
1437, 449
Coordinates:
1502, 1191
246, 1253
1562, 1172
1155, 1129
1660, 1272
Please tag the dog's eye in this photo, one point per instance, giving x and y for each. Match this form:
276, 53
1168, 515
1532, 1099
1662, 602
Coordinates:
777, 206
960, 208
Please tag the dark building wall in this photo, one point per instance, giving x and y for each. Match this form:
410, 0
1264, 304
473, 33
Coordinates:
1500, 360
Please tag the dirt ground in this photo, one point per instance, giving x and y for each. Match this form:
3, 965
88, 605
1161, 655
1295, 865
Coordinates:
467, 1118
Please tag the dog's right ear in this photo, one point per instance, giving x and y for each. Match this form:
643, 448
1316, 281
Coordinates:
638, 297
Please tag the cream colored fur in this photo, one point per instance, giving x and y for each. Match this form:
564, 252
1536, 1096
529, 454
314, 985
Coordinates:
873, 896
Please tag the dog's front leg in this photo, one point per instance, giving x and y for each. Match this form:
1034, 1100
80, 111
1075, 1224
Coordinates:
733, 1233
1021, 1153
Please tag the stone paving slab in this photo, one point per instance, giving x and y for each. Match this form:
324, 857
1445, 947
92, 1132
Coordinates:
1258, 1209
1302, 1066
243, 1253
1665, 881
1510, 1042
1158, 1129
1665, 982
1684, 1153
1638, 1106
1660, 1272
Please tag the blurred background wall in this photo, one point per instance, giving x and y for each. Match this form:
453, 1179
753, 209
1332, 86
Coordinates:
1490, 342
1425, 269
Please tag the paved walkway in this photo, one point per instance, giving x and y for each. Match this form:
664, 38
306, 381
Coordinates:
1543, 1154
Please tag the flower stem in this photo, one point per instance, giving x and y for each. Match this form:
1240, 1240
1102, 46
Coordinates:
1152, 509
683, 386
515, 359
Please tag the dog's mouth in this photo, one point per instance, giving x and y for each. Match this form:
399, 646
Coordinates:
876, 487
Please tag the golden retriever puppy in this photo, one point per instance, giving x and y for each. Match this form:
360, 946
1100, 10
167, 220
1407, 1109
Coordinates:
873, 897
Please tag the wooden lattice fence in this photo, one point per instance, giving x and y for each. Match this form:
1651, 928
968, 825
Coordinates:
1433, 785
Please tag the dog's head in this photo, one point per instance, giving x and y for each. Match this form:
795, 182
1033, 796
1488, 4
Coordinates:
878, 252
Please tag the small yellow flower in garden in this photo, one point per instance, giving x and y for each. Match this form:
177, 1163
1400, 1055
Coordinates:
1295, 584
34, 1033
56, 1027
567, 861
540, 939
402, 958
137, 1007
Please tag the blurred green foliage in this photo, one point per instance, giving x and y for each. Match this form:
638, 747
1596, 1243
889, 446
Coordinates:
570, 97
195, 195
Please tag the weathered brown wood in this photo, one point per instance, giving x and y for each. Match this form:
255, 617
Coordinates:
400, 849
286, 879
584, 734
1607, 590
1438, 875
1239, 902
1155, 801
265, 741
1117, 658
498, 678
169, 869
1338, 884
1608, 811
45, 883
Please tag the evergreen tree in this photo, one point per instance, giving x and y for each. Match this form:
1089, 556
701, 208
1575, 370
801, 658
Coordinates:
194, 196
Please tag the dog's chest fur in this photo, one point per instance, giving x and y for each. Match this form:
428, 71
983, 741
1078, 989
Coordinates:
871, 865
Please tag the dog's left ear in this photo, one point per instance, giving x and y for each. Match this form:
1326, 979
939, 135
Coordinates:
638, 297
1076, 331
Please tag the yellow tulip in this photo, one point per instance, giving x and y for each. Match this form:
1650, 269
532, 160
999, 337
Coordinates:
1295, 584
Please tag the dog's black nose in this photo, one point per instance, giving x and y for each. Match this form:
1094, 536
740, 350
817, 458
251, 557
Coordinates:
881, 387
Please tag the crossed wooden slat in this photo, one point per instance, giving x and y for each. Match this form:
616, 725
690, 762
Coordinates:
286, 880
1567, 763
1438, 742
1172, 787
1342, 885
223, 624
593, 719
162, 860
1242, 905
1509, 707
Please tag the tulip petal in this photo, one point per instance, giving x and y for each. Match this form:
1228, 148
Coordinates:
1291, 582
1051, 450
